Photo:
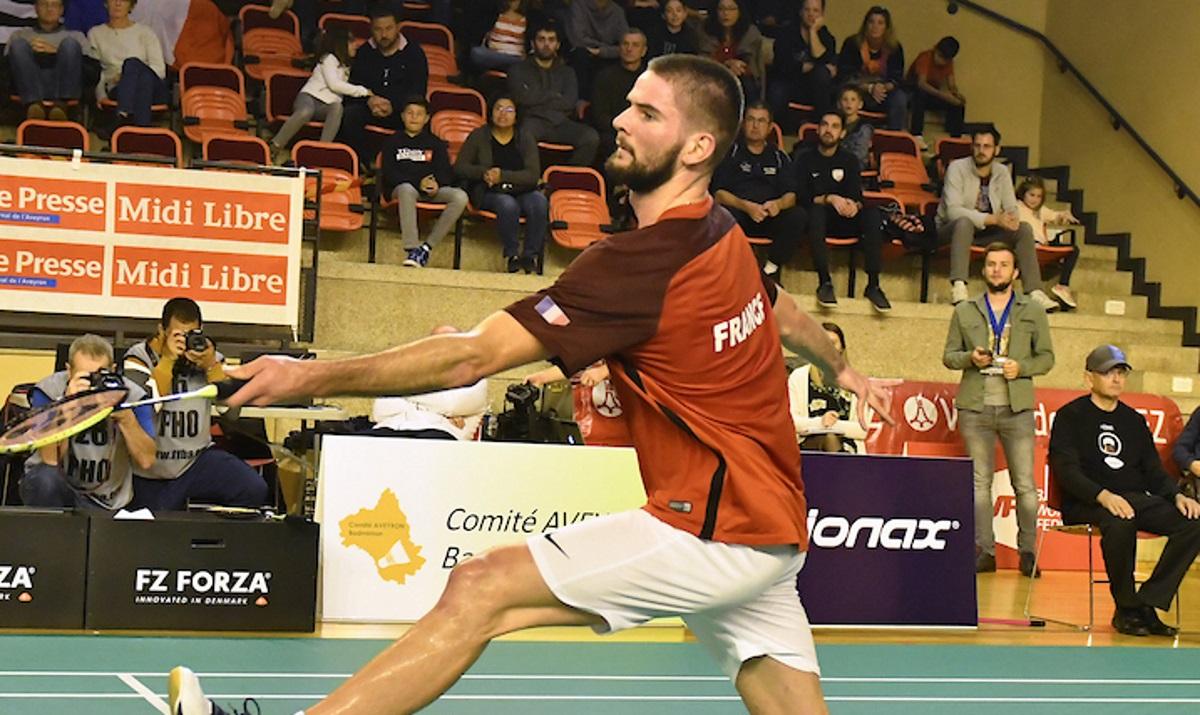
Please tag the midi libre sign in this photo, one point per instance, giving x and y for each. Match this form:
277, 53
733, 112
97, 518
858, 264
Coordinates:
118, 240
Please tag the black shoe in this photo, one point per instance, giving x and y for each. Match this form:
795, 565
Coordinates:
514, 264
530, 264
1155, 625
878, 300
1027, 566
1129, 621
985, 562
826, 296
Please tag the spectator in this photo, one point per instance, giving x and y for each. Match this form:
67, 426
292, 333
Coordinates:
645, 15
1031, 208
828, 182
805, 64
93, 469
825, 415
979, 206
392, 68
1110, 475
613, 83
874, 59
756, 183
931, 76
769, 15
321, 96
47, 62
1000, 341
594, 31
546, 92
202, 36
1186, 451
188, 466
416, 167
504, 44
674, 35
132, 69
732, 39
859, 133
501, 163
83, 15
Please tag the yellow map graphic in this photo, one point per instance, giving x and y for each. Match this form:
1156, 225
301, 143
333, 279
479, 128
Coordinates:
383, 533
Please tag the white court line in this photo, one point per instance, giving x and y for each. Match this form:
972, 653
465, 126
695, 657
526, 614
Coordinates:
138, 687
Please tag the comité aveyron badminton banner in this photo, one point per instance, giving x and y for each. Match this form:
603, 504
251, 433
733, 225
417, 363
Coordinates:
118, 240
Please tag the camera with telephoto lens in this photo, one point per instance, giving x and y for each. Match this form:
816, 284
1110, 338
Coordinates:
522, 421
105, 379
196, 341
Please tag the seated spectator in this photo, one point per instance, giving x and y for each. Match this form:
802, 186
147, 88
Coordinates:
1031, 209
979, 206
504, 44
188, 467
93, 469
673, 34
874, 60
613, 84
732, 39
756, 183
416, 167
859, 133
828, 181
501, 163
1186, 452
46, 61
825, 415
203, 36
392, 69
1110, 475
132, 68
594, 31
321, 96
83, 15
931, 77
546, 91
805, 63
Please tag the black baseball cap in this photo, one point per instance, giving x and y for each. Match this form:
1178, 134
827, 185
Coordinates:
1105, 358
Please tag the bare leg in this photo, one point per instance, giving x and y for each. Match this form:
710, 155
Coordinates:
768, 687
491, 594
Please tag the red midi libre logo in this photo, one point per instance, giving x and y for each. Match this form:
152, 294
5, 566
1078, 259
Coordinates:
191, 212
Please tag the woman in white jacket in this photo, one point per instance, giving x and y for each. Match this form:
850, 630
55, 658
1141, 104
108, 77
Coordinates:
825, 415
321, 96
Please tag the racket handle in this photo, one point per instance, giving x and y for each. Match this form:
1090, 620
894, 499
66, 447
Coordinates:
228, 386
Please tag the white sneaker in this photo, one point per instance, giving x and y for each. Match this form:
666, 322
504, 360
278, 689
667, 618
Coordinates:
1064, 294
185, 695
958, 292
1048, 304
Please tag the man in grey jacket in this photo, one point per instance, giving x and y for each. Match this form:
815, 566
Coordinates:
594, 31
979, 206
546, 92
1000, 341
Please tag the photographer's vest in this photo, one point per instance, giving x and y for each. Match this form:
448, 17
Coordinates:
97, 461
182, 428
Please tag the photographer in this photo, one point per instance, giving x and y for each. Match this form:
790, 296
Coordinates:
180, 358
93, 469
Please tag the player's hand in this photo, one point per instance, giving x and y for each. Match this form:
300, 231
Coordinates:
1116, 504
868, 395
272, 380
981, 357
1187, 506
1012, 369
829, 419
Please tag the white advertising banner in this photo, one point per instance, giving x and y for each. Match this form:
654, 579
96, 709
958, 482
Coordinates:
396, 515
118, 240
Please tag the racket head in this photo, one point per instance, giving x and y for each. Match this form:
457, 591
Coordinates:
60, 420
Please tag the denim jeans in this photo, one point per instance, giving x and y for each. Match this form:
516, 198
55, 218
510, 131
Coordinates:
137, 91
508, 209
979, 431
38, 77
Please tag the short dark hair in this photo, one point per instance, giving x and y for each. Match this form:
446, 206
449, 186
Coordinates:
711, 94
853, 88
836, 330
415, 99
947, 47
988, 129
758, 104
996, 247
184, 310
835, 112
382, 9
495, 99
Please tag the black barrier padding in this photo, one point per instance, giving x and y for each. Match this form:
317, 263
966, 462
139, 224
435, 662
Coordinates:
43, 564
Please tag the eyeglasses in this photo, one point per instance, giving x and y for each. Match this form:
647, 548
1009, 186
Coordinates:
505, 110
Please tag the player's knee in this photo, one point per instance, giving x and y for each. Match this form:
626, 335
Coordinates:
472, 584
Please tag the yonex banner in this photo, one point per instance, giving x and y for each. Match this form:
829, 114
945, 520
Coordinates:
117, 240
43, 560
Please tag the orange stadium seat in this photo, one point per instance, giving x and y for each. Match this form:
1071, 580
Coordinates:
243, 149
340, 192
578, 209
52, 134
359, 26
282, 86
452, 126
947, 150
153, 141
905, 177
269, 44
212, 100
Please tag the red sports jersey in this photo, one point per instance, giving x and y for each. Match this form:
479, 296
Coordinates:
683, 315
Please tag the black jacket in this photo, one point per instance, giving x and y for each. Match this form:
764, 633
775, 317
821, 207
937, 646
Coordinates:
397, 77
407, 160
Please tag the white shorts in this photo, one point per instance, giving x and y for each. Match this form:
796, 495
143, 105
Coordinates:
740, 601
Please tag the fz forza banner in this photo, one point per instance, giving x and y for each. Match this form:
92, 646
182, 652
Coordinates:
118, 240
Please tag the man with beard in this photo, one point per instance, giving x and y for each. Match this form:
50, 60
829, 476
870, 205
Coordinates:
979, 206
546, 91
682, 315
1000, 341
828, 181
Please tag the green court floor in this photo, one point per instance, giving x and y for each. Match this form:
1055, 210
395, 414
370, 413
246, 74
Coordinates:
102, 675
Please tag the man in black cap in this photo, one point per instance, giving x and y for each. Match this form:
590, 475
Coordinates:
1110, 475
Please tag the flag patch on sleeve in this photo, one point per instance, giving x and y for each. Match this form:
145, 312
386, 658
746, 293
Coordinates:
551, 313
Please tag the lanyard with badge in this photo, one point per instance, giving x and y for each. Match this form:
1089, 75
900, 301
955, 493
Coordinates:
996, 368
